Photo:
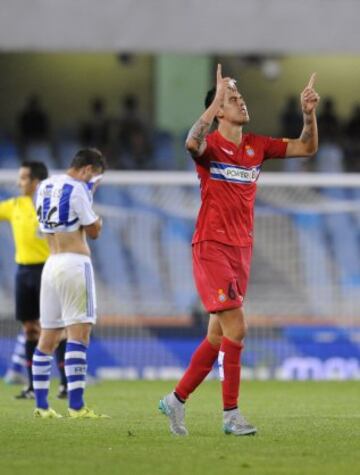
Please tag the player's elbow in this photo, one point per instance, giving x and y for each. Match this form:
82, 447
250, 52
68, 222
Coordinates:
306, 150
311, 151
92, 234
93, 230
192, 146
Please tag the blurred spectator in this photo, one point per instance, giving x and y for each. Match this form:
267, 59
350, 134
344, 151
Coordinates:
353, 156
329, 158
328, 122
134, 143
129, 143
33, 122
140, 149
129, 120
95, 131
138, 153
352, 141
352, 128
291, 119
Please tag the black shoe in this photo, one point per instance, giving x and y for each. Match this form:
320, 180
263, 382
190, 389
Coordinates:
26, 394
62, 393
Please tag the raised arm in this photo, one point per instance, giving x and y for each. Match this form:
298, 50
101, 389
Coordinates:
307, 144
195, 141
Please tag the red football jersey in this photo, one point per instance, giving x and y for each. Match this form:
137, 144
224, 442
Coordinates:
228, 174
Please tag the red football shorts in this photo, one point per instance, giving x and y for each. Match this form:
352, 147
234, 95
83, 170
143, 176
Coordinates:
221, 274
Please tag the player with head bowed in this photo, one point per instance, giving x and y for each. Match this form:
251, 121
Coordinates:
228, 162
67, 297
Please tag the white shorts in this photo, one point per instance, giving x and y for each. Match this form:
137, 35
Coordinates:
67, 293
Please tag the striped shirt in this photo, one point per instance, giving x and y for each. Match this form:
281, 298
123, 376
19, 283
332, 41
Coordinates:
64, 204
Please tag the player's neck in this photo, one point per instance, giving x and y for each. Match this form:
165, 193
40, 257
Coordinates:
29, 194
76, 174
231, 132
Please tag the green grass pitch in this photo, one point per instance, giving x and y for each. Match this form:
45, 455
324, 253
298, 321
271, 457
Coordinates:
305, 428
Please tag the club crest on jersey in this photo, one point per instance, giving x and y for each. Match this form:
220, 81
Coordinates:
249, 151
221, 295
234, 173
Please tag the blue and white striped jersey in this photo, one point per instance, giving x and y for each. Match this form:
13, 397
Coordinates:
63, 204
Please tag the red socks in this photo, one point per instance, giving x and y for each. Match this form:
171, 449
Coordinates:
200, 366
229, 368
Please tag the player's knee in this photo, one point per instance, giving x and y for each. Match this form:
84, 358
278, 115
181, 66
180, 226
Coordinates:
238, 333
46, 347
84, 339
233, 324
214, 339
79, 332
48, 343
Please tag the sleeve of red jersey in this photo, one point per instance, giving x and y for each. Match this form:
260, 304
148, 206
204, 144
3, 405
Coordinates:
274, 148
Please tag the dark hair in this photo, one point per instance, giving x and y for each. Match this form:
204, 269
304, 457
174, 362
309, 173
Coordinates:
89, 156
38, 170
210, 96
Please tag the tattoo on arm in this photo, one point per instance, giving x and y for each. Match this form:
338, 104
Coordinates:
199, 131
307, 133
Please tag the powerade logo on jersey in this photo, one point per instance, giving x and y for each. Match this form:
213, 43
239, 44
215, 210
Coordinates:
233, 173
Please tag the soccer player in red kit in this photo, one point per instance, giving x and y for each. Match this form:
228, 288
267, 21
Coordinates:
228, 164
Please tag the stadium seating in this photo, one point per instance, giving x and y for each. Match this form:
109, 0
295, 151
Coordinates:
164, 150
316, 262
342, 233
9, 157
41, 152
65, 150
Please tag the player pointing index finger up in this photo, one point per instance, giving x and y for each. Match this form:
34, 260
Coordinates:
223, 84
312, 80
309, 97
228, 163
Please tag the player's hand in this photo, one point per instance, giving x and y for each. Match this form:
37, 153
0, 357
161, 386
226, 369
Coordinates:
309, 97
222, 85
94, 183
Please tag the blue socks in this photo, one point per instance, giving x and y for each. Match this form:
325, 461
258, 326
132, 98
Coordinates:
41, 370
75, 370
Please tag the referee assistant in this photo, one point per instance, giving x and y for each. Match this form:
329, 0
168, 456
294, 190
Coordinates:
31, 252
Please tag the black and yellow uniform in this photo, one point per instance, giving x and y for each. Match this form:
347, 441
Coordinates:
31, 252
